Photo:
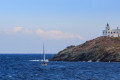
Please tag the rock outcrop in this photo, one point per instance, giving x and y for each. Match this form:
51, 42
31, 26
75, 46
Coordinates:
102, 49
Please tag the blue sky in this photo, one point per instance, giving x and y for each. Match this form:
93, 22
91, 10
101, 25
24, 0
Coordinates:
26, 24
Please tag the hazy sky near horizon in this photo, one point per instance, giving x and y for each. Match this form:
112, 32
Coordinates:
26, 24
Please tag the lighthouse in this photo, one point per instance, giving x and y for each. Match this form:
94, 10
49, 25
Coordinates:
111, 32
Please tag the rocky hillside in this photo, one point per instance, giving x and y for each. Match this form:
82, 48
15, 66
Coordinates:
102, 49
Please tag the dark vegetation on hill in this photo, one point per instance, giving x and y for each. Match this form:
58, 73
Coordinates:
103, 49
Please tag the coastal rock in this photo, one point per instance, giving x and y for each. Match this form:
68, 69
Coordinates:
102, 49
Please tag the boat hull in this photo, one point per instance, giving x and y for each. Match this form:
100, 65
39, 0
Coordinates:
44, 63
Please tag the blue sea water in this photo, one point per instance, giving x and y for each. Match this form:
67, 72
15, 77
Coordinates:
28, 67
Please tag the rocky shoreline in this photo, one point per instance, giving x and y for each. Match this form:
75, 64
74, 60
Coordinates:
103, 49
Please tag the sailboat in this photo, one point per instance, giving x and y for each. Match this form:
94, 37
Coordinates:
44, 61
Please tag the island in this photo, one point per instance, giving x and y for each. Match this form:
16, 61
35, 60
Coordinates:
101, 49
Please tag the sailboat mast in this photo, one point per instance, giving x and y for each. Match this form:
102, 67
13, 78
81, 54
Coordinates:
43, 53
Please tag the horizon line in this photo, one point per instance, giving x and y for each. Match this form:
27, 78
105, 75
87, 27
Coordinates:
27, 53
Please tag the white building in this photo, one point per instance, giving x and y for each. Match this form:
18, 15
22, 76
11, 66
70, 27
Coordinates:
111, 33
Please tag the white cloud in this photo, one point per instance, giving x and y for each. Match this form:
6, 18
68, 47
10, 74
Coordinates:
55, 34
39, 31
52, 34
16, 29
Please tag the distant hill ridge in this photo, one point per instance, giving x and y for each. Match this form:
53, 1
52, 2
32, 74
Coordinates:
102, 49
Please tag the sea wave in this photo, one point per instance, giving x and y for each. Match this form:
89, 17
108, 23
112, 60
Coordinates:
35, 60
40, 60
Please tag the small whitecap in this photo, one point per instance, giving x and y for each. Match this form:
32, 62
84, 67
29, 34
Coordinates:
10, 76
45, 60
34, 60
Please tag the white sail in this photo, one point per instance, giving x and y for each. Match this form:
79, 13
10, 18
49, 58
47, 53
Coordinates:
43, 53
44, 61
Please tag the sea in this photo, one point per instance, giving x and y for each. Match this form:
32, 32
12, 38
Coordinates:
28, 67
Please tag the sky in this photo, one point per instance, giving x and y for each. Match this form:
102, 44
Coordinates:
26, 24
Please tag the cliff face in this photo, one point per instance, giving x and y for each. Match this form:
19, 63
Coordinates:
102, 49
